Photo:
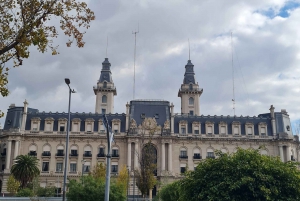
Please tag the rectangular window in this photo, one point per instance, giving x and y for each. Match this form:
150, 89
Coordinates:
74, 152
223, 130
87, 153
209, 129
182, 169
73, 167
89, 128
103, 111
75, 127
116, 128
183, 130
45, 167
102, 128
101, 150
183, 153
249, 130
59, 167
197, 156
236, 130
34, 126
263, 131
114, 168
115, 153
60, 152
62, 127
48, 127
191, 112
196, 131
3, 167
86, 168
210, 155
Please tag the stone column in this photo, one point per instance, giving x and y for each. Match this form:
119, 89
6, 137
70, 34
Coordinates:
136, 155
8, 154
172, 118
127, 117
17, 145
288, 153
163, 156
170, 158
129, 155
281, 152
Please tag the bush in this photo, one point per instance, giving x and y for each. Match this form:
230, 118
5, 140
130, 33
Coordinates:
25, 192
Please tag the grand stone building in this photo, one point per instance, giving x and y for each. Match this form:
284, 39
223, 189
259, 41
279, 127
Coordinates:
179, 141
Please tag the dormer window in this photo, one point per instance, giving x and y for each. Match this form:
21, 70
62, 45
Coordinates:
89, 125
116, 125
196, 127
262, 128
249, 128
143, 116
236, 128
35, 124
156, 116
76, 125
209, 127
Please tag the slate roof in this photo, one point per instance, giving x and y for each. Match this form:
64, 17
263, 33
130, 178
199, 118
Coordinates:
160, 109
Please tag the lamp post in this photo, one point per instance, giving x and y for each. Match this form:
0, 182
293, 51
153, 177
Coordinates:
67, 81
82, 162
110, 136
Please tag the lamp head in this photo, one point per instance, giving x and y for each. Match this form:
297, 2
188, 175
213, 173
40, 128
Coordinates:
67, 81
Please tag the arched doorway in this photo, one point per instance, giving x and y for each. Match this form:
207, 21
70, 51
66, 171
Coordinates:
149, 157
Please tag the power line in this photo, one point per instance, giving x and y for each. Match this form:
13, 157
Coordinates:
233, 93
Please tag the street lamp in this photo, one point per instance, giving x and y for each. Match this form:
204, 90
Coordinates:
67, 81
110, 136
82, 162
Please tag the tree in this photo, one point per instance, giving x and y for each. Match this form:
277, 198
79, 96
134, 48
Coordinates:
170, 192
123, 179
26, 23
25, 192
244, 175
93, 189
12, 185
145, 179
99, 171
25, 169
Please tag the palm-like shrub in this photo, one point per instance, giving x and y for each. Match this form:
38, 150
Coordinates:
25, 169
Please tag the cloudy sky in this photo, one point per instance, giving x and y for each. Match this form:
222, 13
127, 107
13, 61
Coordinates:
266, 57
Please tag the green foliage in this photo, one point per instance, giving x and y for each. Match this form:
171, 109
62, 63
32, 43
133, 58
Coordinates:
25, 192
93, 189
245, 175
48, 191
12, 185
123, 179
170, 192
25, 169
28, 23
99, 171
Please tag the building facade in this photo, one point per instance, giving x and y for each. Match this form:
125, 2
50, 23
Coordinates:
180, 141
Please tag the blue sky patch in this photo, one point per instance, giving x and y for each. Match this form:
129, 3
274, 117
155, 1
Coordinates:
283, 12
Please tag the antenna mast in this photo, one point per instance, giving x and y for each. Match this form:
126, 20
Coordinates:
134, 32
233, 98
106, 46
189, 50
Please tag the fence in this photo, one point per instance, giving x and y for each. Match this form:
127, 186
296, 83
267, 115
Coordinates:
30, 199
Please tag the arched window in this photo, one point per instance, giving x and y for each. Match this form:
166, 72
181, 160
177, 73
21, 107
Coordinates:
104, 99
191, 87
191, 101
104, 84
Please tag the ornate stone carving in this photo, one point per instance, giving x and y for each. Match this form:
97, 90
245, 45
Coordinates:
132, 123
149, 124
167, 124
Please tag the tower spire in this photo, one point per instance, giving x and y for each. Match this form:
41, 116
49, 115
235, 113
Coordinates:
189, 50
134, 32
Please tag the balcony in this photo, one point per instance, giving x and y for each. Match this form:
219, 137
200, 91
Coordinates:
46, 154
101, 155
59, 154
87, 155
32, 153
115, 155
183, 157
213, 157
73, 155
197, 157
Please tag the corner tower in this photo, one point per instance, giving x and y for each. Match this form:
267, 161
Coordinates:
190, 92
105, 90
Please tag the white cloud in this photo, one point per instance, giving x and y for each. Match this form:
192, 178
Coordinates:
266, 57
